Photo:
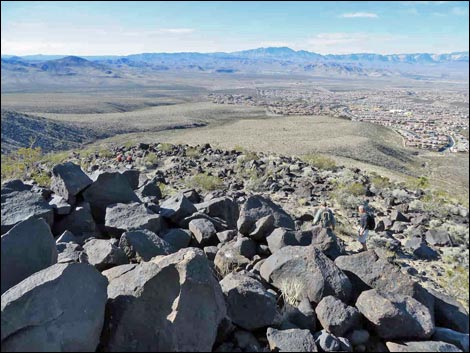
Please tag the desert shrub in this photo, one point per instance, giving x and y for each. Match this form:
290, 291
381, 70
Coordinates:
166, 190
319, 162
247, 154
105, 153
206, 182
20, 163
150, 159
193, 152
165, 147
292, 290
455, 281
349, 196
380, 182
417, 183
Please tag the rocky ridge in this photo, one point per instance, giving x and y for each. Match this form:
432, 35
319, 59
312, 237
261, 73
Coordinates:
181, 248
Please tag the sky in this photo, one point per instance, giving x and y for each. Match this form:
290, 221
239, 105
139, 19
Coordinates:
122, 28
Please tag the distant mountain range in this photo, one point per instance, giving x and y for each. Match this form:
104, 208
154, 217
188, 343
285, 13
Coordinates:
35, 70
275, 53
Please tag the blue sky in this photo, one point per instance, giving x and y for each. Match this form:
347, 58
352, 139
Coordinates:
120, 28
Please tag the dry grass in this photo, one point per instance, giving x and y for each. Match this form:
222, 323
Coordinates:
292, 291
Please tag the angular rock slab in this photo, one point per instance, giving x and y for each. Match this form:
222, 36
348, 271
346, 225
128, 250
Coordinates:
104, 255
108, 188
450, 313
68, 179
396, 316
80, 221
177, 208
18, 206
366, 270
174, 304
122, 218
257, 207
27, 248
423, 346
60, 308
222, 207
204, 232
178, 238
337, 317
293, 340
308, 270
249, 304
142, 245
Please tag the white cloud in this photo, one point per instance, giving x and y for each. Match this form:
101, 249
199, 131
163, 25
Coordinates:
175, 30
359, 15
459, 11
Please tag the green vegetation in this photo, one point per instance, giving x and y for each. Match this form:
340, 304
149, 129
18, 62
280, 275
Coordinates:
247, 155
417, 183
193, 152
349, 195
165, 147
455, 281
206, 182
319, 161
379, 181
151, 159
166, 190
292, 291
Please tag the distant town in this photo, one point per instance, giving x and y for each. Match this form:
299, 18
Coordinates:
430, 120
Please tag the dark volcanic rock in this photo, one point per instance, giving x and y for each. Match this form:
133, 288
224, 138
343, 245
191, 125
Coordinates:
307, 268
108, 188
177, 208
450, 313
396, 316
60, 206
280, 238
249, 304
303, 316
458, 339
293, 340
103, 255
80, 221
222, 207
423, 346
263, 227
336, 317
325, 240
190, 306
127, 217
60, 308
438, 237
420, 249
20, 205
178, 238
257, 207
27, 248
143, 244
366, 270
68, 179
204, 232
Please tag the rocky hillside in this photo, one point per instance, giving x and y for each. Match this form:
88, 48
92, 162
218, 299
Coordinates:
18, 130
180, 248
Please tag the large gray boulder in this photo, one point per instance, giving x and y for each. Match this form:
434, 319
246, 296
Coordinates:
263, 227
325, 240
108, 188
458, 339
302, 316
293, 340
103, 254
450, 313
280, 238
327, 342
149, 192
420, 249
204, 232
178, 238
20, 205
122, 218
27, 248
308, 272
60, 206
337, 317
366, 270
142, 245
70, 253
221, 207
174, 304
177, 208
395, 316
422, 346
230, 257
68, 179
60, 308
438, 237
249, 304
257, 207
80, 221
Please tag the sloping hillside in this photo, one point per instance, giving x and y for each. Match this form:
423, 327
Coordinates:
18, 130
